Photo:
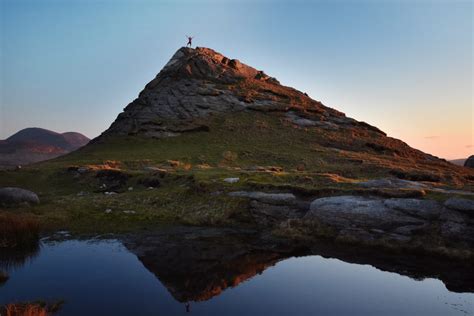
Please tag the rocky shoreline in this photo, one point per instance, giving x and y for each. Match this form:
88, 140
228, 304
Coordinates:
444, 227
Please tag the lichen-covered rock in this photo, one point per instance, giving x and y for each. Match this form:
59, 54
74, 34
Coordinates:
14, 196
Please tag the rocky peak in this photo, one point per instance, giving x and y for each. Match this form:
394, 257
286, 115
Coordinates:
197, 83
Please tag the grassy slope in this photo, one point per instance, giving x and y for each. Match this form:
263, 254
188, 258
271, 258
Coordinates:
234, 144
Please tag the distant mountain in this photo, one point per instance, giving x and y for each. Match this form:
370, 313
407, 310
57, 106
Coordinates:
459, 162
36, 144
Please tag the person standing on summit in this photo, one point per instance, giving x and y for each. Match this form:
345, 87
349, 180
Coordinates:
190, 41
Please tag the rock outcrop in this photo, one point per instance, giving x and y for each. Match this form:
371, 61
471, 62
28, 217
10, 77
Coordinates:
14, 196
469, 162
200, 82
398, 219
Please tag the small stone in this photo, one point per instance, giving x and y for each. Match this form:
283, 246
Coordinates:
130, 189
108, 211
129, 212
231, 180
82, 170
150, 188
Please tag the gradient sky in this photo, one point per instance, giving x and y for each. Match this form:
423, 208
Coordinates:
403, 66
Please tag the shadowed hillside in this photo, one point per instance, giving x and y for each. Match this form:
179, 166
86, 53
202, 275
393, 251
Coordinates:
36, 144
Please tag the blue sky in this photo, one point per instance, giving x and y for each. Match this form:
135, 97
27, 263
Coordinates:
404, 66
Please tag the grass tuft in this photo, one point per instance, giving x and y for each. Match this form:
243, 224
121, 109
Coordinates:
17, 231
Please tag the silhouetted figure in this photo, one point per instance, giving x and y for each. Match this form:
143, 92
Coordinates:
188, 307
190, 40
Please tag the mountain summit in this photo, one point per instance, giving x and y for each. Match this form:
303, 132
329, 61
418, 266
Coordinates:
200, 82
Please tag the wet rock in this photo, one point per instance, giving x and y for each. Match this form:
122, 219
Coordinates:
15, 196
268, 198
460, 204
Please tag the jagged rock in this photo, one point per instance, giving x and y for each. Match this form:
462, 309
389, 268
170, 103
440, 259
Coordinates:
14, 196
462, 205
197, 83
267, 198
469, 162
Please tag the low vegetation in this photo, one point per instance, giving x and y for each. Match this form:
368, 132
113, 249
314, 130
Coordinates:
17, 231
38, 308
130, 183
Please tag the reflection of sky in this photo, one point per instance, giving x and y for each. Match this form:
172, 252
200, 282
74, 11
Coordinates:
102, 278
404, 66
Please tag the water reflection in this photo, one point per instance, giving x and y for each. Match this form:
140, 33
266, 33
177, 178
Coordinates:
196, 264
11, 258
221, 271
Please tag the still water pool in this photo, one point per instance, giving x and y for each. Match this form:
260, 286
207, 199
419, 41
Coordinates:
103, 277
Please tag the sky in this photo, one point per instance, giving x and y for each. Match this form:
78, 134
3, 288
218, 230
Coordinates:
403, 66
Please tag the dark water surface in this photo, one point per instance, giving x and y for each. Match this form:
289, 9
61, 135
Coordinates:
112, 277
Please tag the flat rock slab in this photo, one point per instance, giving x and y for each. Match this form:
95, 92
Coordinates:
13, 196
351, 211
268, 198
462, 205
427, 209
393, 183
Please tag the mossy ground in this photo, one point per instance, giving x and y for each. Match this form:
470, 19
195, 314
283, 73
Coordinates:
262, 149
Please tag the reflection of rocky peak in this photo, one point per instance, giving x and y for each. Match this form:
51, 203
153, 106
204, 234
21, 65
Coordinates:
197, 264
